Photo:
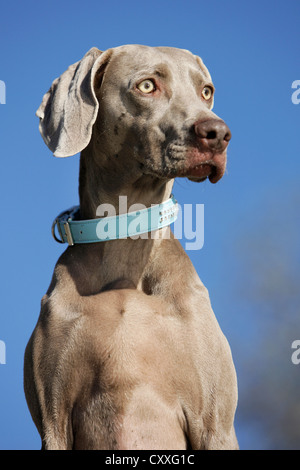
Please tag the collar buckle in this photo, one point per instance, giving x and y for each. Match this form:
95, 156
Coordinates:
63, 217
68, 234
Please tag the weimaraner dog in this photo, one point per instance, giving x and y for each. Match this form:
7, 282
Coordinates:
127, 352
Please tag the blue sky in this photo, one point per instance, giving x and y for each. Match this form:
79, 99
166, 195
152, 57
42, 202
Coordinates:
252, 52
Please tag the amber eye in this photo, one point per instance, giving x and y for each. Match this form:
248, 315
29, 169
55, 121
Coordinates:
146, 86
207, 93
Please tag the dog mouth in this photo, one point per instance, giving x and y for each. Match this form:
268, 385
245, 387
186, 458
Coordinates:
212, 169
201, 172
191, 164
189, 161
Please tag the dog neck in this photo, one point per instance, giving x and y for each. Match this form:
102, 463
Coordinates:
132, 255
99, 185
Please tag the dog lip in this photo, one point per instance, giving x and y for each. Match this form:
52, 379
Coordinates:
197, 180
201, 170
212, 168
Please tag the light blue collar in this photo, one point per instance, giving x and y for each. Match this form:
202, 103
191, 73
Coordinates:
72, 230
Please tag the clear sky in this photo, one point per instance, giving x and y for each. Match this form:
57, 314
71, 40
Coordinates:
252, 51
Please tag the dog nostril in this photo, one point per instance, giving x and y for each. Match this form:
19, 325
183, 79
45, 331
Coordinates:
227, 136
211, 135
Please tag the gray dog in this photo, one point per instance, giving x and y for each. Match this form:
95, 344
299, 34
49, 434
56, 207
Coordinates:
127, 353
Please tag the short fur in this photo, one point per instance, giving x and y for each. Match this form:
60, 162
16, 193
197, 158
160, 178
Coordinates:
127, 353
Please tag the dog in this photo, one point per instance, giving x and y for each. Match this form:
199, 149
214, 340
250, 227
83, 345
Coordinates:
127, 352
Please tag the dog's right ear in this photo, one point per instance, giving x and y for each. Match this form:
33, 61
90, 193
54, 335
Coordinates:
69, 109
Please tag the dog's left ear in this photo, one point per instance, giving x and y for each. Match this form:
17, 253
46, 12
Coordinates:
69, 109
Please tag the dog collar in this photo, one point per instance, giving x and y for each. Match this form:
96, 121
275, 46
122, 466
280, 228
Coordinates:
72, 230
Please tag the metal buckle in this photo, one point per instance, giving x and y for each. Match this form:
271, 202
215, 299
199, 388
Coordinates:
68, 234
64, 217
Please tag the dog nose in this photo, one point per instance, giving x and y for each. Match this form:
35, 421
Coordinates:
213, 135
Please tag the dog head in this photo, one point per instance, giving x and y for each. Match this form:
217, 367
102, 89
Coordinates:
149, 108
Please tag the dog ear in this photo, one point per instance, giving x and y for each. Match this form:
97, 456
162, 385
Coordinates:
69, 109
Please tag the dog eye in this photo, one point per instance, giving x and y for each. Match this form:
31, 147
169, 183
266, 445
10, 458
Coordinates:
207, 93
146, 86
